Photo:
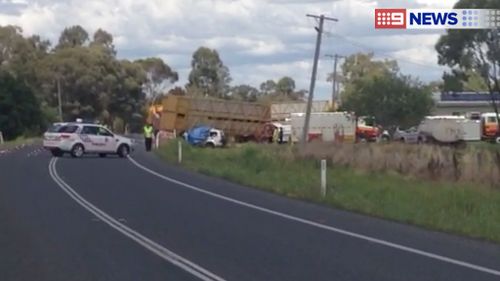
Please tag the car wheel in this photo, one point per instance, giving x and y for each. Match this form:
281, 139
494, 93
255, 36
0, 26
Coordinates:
123, 150
497, 140
77, 151
102, 155
56, 153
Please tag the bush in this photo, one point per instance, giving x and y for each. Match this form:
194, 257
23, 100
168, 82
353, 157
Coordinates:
20, 109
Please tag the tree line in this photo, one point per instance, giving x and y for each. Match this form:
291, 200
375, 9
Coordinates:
94, 84
82, 73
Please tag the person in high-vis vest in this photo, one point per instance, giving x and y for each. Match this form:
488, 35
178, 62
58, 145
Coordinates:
148, 136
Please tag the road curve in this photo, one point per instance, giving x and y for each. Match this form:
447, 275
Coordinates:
139, 219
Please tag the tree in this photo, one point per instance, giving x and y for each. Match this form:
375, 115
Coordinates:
363, 65
376, 88
75, 36
473, 50
105, 40
159, 77
468, 80
268, 87
127, 98
177, 91
391, 99
94, 84
20, 109
245, 93
20, 56
209, 73
286, 86
281, 91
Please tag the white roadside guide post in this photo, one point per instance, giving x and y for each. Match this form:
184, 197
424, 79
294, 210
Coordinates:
157, 140
323, 178
179, 151
1, 137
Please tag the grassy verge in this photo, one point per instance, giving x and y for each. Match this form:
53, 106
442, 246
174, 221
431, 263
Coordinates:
469, 210
18, 141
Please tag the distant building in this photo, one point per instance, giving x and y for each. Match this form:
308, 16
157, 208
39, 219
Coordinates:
459, 103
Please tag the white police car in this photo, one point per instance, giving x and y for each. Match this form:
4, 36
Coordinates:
84, 138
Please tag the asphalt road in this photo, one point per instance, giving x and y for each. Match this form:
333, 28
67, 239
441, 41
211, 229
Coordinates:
140, 219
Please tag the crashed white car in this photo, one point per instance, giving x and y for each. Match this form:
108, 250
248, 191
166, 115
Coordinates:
78, 139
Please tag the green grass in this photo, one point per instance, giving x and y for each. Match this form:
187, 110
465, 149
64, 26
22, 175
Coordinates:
469, 210
18, 141
484, 145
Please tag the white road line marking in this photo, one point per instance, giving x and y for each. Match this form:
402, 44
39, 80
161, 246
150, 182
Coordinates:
142, 240
323, 226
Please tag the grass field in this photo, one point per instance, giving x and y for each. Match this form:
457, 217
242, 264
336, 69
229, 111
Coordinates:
467, 209
18, 141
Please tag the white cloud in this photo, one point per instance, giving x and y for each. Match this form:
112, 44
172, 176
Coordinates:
257, 39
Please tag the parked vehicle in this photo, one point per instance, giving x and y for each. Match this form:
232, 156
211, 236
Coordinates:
450, 129
411, 135
367, 130
325, 126
489, 127
81, 138
265, 133
205, 136
385, 136
472, 129
280, 111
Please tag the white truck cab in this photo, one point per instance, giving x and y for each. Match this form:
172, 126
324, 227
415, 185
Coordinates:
215, 138
85, 138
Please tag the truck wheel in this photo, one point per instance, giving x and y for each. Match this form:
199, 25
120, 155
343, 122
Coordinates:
123, 150
77, 151
497, 140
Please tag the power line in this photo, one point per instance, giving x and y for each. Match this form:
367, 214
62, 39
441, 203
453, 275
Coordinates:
388, 54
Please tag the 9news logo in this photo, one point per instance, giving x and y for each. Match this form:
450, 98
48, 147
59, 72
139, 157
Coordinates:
436, 18
390, 18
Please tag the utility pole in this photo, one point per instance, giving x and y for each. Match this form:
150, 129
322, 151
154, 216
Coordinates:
335, 58
496, 87
59, 100
319, 29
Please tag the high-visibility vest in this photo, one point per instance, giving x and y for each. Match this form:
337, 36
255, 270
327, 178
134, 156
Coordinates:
148, 132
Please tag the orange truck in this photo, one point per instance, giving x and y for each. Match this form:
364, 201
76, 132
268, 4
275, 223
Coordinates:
366, 129
489, 127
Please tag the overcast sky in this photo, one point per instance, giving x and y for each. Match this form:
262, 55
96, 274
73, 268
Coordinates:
257, 39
